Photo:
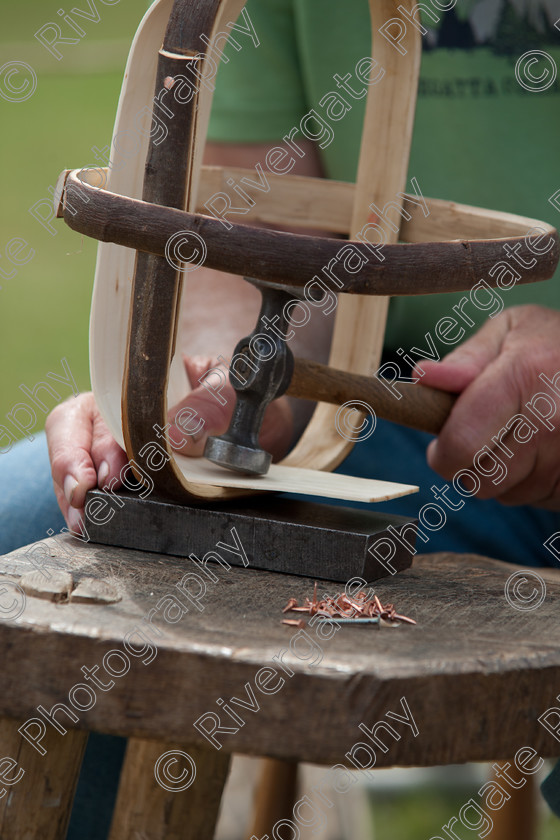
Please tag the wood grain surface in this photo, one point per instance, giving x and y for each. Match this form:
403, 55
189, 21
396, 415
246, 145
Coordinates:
476, 673
144, 809
38, 805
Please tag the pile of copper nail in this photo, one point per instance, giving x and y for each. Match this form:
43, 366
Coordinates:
343, 609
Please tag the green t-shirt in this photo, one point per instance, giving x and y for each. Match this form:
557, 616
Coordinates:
480, 137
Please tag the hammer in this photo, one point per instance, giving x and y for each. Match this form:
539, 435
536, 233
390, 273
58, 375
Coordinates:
263, 368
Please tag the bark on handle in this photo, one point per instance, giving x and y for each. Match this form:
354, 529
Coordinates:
419, 407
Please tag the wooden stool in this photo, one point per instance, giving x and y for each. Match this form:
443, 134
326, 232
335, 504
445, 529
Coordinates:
170, 650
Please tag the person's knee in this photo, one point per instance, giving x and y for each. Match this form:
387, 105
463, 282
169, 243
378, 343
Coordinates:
28, 506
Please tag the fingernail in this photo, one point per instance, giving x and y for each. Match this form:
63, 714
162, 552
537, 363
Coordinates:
431, 452
199, 435
102, 473
69, 488
75, 521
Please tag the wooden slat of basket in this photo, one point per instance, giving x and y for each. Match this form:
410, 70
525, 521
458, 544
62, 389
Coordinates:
387, 133
114, 270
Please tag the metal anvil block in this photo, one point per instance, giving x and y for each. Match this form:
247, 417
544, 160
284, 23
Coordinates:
283, 535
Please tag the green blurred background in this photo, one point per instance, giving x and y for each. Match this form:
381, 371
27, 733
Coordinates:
44, 308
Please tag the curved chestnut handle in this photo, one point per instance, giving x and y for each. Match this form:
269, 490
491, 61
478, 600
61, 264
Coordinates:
292, 259
419, 407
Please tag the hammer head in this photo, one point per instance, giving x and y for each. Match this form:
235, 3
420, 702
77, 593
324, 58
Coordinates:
260, 371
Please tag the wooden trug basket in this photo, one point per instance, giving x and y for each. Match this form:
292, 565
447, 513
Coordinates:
136, 206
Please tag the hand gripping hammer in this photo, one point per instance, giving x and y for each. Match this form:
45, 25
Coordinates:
263, 368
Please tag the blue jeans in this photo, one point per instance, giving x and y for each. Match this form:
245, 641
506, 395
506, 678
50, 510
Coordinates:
512, 534
28, 509
28, 506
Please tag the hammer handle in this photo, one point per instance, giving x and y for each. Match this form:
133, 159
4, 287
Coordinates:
420, 407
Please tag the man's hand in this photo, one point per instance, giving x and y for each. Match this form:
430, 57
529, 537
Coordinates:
84, 455
277, 429
218, 309
496, 373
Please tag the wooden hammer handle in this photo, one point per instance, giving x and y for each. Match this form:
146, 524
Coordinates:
419, 407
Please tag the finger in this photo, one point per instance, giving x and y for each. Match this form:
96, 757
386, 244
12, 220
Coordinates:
196, 367
69, 435
460, 367
73, 517
75, 521
207, 411
502, 465
108, 457
189, 438
539, 483
62, 501
478, 419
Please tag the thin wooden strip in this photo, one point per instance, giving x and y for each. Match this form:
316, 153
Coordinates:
450, 220
290, 479
157, 284
411, 269
156, 289
300, 201
359, 327
114, 271
292, 200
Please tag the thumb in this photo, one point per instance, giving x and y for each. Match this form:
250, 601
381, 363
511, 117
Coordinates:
207, 411
196, 367
460, 367
204, 412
